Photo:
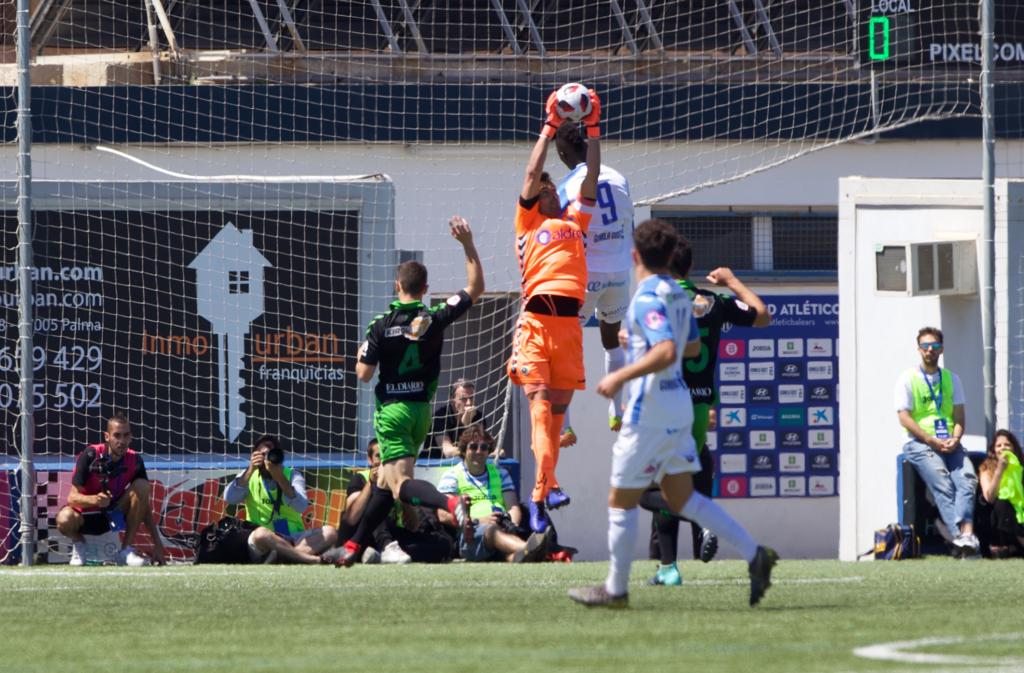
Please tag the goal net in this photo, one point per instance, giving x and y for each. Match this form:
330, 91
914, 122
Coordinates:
222, 191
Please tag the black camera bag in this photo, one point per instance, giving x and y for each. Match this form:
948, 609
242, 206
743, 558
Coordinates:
226, 541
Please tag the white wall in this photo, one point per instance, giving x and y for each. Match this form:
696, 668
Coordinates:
877, 333
481, 182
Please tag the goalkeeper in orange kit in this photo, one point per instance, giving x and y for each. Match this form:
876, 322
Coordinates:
547, 347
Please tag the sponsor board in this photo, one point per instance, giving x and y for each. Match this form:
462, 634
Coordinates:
732, 395
821, 485
819, 348
732, 417
821, 439
732, 349
761, 487
792, 486
761, 418
820, 416
821, 461
731, 440
791, 462
792, 439
762, 371
732, 371
732, 487
790, 416
819, 370
762, 439
791, 370
732, 463
761, 348
820, 393
763, 462
791, 348
791, 393
760, 394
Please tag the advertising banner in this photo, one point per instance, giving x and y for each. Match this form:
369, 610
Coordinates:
778, 402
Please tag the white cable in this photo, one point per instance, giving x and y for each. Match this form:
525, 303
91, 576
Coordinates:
238, 178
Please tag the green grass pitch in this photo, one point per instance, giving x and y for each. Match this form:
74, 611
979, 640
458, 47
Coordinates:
498, 618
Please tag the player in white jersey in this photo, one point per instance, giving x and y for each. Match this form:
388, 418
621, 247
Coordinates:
655, 444
609, 248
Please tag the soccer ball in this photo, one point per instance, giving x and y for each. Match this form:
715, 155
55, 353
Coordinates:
573, 101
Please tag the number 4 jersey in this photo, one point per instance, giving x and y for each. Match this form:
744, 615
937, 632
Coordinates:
610, 237
407, 342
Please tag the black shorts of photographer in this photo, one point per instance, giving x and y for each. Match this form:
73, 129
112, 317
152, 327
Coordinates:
494, 539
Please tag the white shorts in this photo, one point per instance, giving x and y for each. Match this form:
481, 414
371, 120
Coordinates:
642, 455
607, 296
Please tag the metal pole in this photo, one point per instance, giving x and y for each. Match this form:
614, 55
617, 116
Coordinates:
988, 179
28, 473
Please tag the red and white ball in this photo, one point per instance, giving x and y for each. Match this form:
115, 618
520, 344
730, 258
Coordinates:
572, 101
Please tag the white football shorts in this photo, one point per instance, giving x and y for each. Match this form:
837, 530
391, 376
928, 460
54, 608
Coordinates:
642, 455
607, 296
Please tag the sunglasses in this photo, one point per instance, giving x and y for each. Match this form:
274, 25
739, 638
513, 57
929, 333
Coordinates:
934, 346
479, 446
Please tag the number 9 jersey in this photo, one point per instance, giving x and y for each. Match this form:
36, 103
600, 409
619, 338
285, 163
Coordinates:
610, 237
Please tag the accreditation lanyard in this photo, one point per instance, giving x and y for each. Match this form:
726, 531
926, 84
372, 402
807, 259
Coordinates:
937, 399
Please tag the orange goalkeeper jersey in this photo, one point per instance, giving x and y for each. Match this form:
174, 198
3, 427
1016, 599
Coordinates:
552, 252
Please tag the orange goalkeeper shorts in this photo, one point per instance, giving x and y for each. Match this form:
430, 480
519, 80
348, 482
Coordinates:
547, 350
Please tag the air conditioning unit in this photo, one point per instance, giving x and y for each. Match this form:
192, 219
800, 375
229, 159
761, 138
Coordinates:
927, 269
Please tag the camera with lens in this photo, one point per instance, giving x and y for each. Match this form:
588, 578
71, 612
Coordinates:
275, 455
107, 469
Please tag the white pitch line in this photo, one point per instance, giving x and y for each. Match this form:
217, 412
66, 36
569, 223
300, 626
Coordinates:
776, 582
896, 651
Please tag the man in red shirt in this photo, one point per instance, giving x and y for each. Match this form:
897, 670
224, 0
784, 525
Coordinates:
109, 482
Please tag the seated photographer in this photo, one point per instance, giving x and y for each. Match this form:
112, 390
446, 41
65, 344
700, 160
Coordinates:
275, 498
409, 533
450, 420
109, 484
494, 507
1002, 486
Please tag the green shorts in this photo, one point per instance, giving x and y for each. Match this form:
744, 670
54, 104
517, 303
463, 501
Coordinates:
701, 417
401, 428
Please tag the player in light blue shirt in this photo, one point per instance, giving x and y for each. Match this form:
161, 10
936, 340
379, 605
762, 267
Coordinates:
655, 444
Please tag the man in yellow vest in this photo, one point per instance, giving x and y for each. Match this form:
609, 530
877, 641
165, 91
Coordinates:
275, 498
494, 506
930, 405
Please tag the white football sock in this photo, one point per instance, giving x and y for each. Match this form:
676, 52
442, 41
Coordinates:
709, 515
621, 536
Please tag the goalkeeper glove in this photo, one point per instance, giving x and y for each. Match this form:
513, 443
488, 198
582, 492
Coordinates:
592, 120
553, 119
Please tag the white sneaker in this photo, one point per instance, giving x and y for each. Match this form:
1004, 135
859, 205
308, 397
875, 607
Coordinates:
394, 554
371, 556
78, 554
128, 557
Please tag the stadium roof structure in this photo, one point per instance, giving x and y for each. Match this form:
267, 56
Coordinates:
99, 42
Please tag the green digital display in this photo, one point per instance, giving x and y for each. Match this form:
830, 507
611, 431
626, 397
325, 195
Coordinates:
878, 38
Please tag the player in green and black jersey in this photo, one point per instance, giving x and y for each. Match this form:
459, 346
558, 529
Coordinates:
406, 343
712, 311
